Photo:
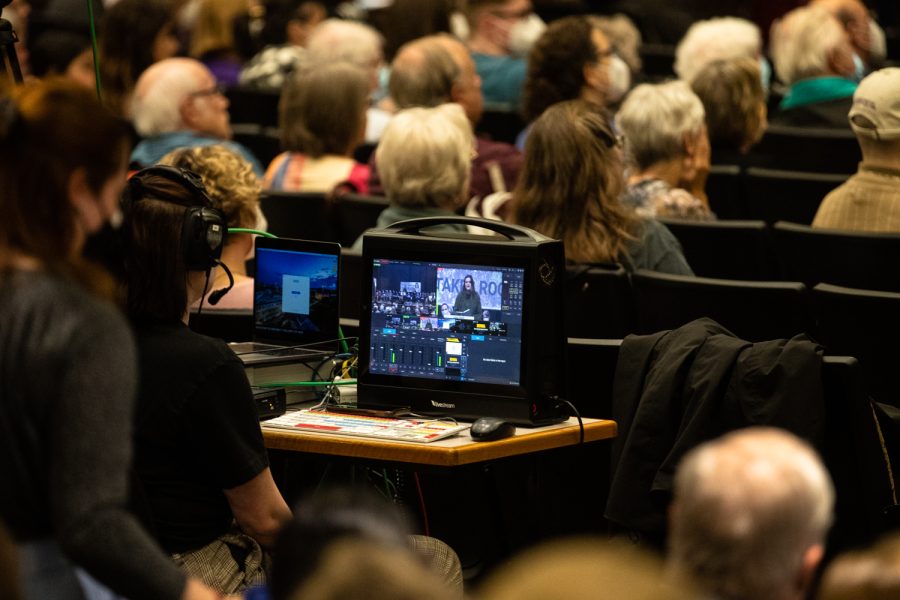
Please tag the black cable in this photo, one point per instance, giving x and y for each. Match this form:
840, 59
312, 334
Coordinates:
577, 416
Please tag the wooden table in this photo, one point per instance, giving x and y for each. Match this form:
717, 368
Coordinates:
450, 452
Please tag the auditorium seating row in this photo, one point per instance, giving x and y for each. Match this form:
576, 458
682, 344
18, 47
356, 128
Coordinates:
317, 216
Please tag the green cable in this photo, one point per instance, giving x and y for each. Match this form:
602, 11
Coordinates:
306, 383
90, 4
253, 231
344, 347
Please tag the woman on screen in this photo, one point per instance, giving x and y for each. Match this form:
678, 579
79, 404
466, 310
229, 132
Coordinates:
67, 361
468, 302
570, 189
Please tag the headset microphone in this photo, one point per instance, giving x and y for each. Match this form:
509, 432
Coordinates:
215, 296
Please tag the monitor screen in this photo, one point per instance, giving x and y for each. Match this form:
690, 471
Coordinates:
446, 321
295, 296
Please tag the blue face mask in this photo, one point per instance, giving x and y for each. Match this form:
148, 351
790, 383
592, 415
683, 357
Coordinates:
859, 68
765, 74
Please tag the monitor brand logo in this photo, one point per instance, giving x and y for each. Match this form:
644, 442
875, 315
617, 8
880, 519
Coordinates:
437, 404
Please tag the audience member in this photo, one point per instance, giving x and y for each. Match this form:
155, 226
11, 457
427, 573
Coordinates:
134, 34
233, 188
334, 40
570, 189
212, 38
749, 516
303, 559
862, 31
203, 477
288, 25
322, 119
572, 59
424, 159
866, 574
64, 53
178, 104
734, 102
870, 199
501, 35
584, 569
438, 69
668, 151
625, 38
814, 58
721, 38
67, 363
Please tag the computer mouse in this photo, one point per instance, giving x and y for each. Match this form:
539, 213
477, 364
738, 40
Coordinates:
487, 429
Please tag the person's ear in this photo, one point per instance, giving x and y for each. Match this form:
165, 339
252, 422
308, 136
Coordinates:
840, 60
689, 144
594, 75
188, 112
84, 200
810, 563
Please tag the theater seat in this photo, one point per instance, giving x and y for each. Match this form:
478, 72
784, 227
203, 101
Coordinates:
350, 284
726, 249
355, 214
599, 302
775, 195
301, 215
807, 149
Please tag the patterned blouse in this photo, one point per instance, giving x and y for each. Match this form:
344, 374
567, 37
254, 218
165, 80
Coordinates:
652, 198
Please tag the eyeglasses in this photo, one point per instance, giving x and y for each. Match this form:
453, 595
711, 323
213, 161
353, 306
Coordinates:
217, 89
511, 16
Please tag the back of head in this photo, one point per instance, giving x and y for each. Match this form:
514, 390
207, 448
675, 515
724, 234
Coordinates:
866, 574
214, 25
49, 130
232, 185
422, 74
747, 509
584, 569
734, 102
803, 43
52, 52
424, 157
875, 114
571, 182
323, 109
556, 64
656, 118
722, 38
154, 207
328, 517
335, 40
160, 92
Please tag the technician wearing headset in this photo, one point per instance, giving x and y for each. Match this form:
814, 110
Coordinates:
67, 362
199, 453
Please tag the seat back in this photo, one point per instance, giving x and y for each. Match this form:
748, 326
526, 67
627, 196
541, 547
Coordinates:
246, 105
231, 325
501, 125
726, 249
355, 214
599, 302
350, 284
263, 142
852, 259
776, 195
752, 310
864, 324
658, 61
725, 190
591, 371
301, 215
807, 149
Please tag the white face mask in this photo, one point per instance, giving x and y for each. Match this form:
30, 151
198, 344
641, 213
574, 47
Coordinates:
619, 79
459, 25
524, 34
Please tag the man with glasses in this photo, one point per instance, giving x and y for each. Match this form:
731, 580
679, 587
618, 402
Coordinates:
177, 103
502, 32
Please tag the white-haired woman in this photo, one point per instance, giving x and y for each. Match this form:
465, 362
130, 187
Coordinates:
668, 150
721, 38
424, 160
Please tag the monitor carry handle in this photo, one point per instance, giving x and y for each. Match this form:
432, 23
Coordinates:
514, 233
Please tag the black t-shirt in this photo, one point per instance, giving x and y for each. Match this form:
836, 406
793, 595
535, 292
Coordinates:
197, 434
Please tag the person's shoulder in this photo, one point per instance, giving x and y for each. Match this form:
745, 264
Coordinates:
489, 149
180, 344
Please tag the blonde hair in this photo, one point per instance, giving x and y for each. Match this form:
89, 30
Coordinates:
425, 156
734, 100
571, 182
230, 181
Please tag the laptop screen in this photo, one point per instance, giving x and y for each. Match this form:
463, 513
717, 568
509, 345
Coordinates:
295, 294
444, 321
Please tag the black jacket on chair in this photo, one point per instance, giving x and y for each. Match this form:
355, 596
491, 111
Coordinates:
676, 389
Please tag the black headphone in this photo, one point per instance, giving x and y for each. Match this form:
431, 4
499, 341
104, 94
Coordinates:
204, 228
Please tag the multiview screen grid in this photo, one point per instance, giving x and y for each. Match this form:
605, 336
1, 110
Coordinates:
446, 321
296, 292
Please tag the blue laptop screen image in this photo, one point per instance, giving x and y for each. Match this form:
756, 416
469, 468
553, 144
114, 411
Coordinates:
444, 321
296, 295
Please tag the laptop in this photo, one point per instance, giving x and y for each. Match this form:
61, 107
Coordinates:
295, 302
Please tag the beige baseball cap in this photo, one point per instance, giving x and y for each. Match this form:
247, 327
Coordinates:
876, 105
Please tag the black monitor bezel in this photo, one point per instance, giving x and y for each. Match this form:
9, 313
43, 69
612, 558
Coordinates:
495, 259
309, 247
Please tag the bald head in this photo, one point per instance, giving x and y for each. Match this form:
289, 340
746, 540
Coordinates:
751, 510
179, 94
